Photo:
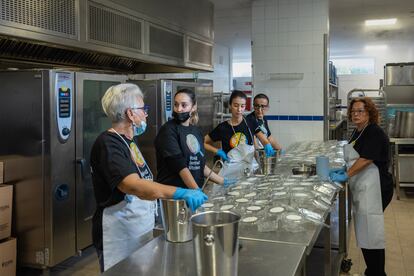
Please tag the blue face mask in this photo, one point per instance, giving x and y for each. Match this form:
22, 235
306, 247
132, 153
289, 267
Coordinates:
138, 130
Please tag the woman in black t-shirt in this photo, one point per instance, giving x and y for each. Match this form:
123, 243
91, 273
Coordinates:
179, 145
367, 157
236, 130
122, 181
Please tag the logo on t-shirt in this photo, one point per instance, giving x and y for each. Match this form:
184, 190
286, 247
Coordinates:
137, 156
237, 138
263, 129
193, 144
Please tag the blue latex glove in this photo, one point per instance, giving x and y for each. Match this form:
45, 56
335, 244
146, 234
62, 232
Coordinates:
339, 176
128, 198
193, 197
222, 154
336, 170
229, 181
269, 150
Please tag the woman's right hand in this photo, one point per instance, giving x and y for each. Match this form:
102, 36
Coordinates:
222, 154
193, 197
336, 170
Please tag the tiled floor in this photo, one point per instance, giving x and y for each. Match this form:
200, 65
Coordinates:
399, 234
399, 228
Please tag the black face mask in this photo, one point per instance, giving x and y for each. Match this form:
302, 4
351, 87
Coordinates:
181, 117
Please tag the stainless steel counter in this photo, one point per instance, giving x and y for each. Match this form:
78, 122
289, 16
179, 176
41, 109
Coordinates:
161, 258
402, 164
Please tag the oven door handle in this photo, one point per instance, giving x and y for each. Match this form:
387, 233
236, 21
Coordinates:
82, 163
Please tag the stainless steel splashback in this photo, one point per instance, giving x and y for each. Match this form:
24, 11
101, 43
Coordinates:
125, 36
399, 74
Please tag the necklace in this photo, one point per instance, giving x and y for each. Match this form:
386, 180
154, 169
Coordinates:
352, 136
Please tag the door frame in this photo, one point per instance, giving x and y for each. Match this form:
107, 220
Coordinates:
80, 77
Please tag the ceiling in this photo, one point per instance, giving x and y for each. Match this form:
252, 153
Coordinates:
348, 34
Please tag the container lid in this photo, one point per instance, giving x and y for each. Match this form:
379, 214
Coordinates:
249, 219
254, 208
276, 210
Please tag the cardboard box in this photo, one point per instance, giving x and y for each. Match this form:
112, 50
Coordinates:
8, 257
1, 172
14, 168
6, 201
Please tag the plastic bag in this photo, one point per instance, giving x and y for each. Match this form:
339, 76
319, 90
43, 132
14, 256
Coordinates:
240, 159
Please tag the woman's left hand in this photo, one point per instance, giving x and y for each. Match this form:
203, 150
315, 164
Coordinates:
340, 176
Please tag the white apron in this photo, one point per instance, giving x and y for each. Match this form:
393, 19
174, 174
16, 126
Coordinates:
241, 157
126, 226
367, 203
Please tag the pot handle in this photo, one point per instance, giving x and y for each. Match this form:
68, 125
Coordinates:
209, 239
182, 216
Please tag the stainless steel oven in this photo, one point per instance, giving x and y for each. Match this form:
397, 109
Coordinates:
49, 121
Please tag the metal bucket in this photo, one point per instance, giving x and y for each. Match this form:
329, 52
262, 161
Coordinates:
176, 220
397, 125
407, 125
267, 164
216, 243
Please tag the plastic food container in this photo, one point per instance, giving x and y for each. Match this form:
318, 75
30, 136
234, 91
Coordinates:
293, 222
250, 220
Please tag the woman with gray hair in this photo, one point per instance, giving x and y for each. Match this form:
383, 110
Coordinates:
124, 191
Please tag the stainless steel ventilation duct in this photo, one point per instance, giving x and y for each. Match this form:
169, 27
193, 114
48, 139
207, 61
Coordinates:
117, 36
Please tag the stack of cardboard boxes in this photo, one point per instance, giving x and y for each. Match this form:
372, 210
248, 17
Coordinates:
7, 243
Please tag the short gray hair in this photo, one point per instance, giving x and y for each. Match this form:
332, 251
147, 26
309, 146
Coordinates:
118, 98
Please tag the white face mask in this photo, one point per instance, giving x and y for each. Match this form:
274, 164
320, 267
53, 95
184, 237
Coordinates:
138, 130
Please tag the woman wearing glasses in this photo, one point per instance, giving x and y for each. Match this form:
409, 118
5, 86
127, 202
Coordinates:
179, 144
236, 131
261, 105
367, 157
122, 181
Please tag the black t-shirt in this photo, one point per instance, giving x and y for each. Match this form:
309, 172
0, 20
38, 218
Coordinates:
111, 162
373, 144
179, 147
243, 133
262, 123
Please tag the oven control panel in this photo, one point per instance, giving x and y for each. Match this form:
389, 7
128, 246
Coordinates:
64, 104
168, 100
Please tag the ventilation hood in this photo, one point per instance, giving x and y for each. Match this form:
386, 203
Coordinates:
129, 36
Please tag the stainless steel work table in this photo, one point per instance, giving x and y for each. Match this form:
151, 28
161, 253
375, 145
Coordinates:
159, 257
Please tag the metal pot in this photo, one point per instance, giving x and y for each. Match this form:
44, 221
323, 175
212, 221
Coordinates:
176, 220
305, 169
267, 164
407, 125
397, 125
216, 242
404, 124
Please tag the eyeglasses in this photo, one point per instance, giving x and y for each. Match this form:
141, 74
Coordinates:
357, 111
144, 108
260, 106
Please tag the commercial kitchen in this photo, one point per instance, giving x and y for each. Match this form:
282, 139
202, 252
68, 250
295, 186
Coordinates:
289, 209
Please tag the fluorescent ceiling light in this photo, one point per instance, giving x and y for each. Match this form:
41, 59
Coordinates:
376, 47
380, 22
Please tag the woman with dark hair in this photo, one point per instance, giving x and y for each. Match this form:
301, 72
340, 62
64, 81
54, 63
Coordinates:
367, 157
236, 130
180, 149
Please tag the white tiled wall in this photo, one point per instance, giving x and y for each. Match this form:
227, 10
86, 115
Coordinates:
288, 38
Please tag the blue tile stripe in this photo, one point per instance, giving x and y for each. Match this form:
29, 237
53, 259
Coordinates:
293, 118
